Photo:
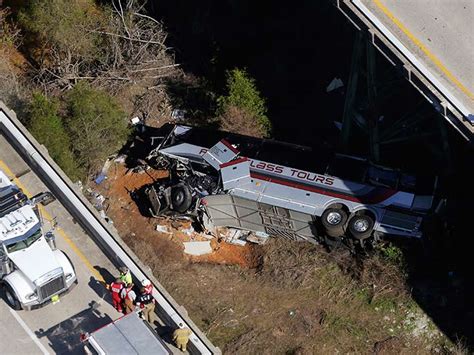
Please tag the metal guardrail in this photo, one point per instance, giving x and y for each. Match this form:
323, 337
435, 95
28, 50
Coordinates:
38, 159
445, 102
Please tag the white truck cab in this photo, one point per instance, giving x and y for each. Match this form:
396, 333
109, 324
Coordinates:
32, 270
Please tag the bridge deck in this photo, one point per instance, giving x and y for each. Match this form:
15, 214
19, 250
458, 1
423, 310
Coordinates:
434, 41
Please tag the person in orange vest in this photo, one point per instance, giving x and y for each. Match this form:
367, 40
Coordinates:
116, 288
128, 296
148, 286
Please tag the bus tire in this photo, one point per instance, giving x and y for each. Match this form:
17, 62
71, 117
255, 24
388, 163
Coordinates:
181, 198
333, 220
360, 226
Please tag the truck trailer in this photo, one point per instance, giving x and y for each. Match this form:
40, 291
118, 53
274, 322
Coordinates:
282, 189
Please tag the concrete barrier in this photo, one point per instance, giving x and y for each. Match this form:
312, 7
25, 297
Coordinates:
103, 234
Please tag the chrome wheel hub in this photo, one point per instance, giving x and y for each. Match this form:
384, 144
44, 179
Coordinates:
334, 218
361, 225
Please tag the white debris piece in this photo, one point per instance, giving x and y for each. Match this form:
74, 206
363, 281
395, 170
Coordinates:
178, 114
258, 238
189, 231
120, 159
135, 120
162, 229
336, 83
237, 242
197, 248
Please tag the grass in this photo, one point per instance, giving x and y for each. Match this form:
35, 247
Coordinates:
300, 300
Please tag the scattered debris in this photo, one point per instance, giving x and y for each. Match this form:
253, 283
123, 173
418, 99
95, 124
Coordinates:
120, 159
100, 178
162, 229
178, 114
335, 84
258, 238
104, 216
188, 231
197, 248
135, 120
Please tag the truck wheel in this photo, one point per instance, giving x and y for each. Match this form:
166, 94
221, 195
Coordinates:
181, 198
360, 226
333, 220
11, 298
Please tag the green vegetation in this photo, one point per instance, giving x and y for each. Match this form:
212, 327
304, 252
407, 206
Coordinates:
47, 127
62, 26
242, 94
90, 130
96, 124
393, 254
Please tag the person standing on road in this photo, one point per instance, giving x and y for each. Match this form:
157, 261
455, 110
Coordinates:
128, 296
181, 337
146, 303
116, 288
148, 286
125, 275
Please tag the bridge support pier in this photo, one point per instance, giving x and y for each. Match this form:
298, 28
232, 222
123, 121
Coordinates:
375, 122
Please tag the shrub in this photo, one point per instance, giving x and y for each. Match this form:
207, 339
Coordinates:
243, 95
62, 26
97, 125
47, 127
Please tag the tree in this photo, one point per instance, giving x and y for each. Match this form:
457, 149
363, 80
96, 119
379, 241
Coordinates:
111, 44
60, 27
243, 106
97, 125
45, 124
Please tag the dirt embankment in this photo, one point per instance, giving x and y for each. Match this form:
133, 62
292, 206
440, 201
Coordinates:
282, 298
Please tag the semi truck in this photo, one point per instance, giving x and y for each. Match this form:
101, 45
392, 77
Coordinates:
281, 189
33, 272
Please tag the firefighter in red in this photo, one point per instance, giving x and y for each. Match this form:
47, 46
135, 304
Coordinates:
116, 288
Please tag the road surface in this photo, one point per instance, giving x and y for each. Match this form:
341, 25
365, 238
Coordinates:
56, 328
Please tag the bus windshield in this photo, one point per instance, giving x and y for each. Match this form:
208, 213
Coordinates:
25, 243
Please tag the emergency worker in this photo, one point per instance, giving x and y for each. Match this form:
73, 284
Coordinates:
128, 296
181, 337
146, 303
116, 288
125, 275
148, 286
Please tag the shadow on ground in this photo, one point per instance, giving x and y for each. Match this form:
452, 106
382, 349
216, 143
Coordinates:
64, 337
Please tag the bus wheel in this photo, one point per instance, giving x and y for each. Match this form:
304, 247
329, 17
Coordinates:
360, 226
181, 198
333, 220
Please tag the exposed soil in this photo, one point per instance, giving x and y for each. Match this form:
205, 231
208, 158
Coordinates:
120, 190
280, 298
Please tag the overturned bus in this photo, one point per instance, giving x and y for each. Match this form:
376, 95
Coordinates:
281, 189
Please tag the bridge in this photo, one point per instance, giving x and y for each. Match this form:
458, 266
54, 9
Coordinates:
432, 42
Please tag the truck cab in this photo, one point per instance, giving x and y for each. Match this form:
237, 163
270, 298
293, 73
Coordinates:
32, 270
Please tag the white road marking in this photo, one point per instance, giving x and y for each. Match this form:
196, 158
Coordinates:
30, 333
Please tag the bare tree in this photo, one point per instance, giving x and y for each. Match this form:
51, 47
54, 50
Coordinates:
135, 43
120, 45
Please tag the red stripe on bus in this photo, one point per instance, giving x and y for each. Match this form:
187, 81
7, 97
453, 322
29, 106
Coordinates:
365, 199
230, 146
232, 162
